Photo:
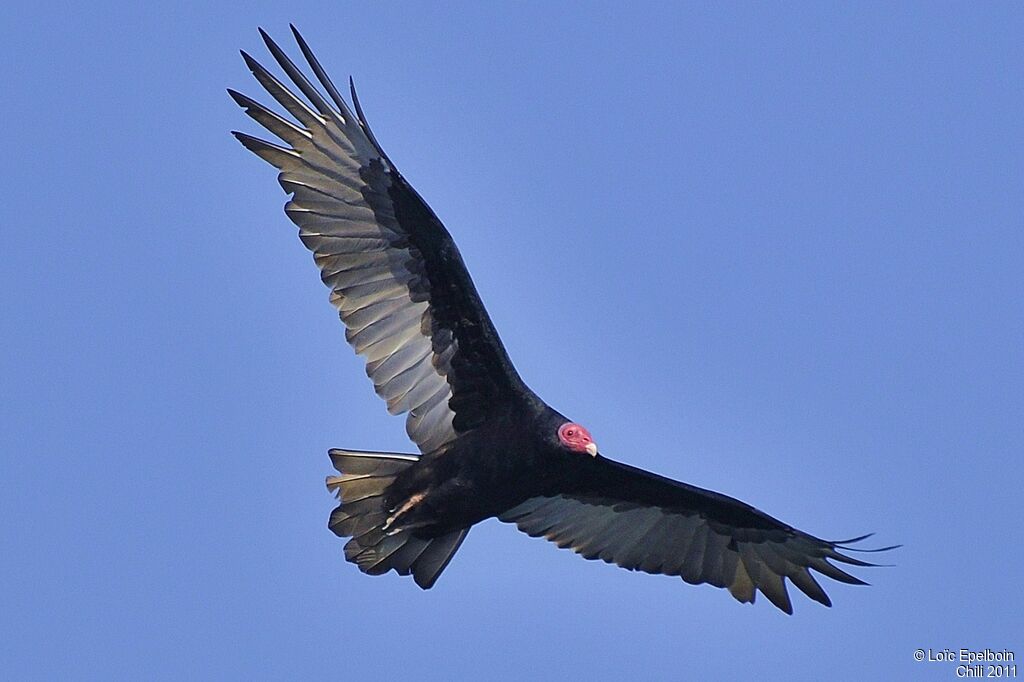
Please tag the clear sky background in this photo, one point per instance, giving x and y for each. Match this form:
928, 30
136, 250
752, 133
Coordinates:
772, 250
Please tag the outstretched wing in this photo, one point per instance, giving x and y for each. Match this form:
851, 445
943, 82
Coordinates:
396, 277
641, 521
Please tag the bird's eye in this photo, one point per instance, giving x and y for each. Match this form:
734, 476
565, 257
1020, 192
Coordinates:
570, 433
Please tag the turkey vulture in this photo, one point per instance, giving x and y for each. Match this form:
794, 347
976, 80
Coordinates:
489, 447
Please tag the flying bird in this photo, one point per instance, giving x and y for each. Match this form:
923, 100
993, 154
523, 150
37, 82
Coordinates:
488, 445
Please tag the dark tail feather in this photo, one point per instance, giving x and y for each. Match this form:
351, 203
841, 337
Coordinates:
361, 487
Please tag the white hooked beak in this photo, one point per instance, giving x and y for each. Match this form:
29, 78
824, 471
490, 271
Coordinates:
592, 449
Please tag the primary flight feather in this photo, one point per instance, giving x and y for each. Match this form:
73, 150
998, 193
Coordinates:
489, 447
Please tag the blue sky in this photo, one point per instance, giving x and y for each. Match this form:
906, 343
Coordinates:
772, 250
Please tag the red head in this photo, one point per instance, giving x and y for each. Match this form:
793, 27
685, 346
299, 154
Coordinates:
576, 438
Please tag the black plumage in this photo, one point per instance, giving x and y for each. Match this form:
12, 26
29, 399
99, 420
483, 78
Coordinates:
489, 447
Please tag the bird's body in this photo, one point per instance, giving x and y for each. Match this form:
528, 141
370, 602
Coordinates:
461, 488
489, 447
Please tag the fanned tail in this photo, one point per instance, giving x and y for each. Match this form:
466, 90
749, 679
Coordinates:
361, 487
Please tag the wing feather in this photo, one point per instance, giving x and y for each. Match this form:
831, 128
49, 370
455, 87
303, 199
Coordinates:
396, 277
643, 522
